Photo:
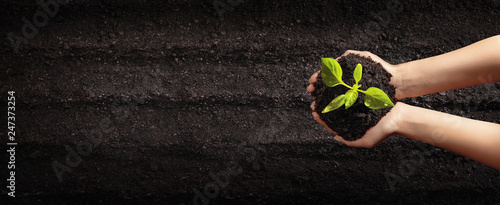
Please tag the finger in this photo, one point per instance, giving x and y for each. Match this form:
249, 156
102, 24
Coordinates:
361, 142
368, 54
353, 52
372, 138
310, 88
340, 139
313, 106
314, 77
321, 122
365, 54
346, 53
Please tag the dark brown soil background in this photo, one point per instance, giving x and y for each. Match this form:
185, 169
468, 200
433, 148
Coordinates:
179, 95
353, 123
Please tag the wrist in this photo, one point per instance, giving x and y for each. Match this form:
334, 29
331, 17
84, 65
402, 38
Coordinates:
400, 113
393, 121
412, 120
404, 80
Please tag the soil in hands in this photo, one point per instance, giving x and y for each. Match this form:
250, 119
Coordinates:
352, 124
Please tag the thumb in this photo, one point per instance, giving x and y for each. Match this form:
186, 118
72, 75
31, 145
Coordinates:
372, 138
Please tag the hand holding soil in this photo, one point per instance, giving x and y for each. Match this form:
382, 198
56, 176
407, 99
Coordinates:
359, 118
464, 67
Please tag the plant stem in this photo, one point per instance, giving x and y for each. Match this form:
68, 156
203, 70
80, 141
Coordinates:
346, 85
364, 92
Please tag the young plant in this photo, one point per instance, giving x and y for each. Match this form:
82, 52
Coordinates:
331, 72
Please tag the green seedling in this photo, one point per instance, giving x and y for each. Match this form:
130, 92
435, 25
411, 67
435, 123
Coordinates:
331, 72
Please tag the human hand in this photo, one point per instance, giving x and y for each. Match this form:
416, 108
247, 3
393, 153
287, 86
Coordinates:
385, 127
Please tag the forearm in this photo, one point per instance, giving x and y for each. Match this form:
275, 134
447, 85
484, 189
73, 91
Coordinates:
475, 64
475, 139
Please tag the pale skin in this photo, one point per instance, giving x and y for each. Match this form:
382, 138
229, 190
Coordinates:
475, 64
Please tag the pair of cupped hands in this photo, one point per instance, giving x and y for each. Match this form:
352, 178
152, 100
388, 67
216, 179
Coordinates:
386, 127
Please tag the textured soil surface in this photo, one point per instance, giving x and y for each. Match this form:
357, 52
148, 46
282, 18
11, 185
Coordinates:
353, 123
165, 102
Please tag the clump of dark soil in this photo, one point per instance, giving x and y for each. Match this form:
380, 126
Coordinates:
353, 123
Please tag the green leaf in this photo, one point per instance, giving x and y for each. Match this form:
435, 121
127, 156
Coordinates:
350, 98
331, 72
376, 99
336, 103
358, 72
